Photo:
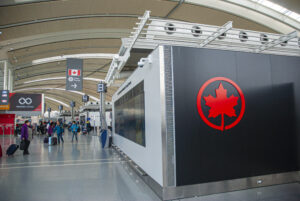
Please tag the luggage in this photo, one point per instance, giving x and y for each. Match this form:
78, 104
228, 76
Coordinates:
49, 140
54, 141
0, 151
109, 141
23, 145
12, 149
84, 131
46, 140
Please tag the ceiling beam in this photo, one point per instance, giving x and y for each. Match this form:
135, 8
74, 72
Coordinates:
72, 17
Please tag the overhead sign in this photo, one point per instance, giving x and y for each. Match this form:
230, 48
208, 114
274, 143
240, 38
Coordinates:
60, 107
101, 87
4, 100
4, 97
74, 75
85, 98
25, 102
72, 104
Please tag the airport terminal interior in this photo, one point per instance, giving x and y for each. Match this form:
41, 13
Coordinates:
149, 100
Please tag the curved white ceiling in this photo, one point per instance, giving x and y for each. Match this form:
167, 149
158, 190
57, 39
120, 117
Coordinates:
255, 11
57, 101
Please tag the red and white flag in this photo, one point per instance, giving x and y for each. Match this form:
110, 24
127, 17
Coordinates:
74, 72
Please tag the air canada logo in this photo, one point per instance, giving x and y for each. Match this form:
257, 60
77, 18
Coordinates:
221, 103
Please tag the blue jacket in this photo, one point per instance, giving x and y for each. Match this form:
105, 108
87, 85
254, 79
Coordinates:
24, 132
74, 127
58, 129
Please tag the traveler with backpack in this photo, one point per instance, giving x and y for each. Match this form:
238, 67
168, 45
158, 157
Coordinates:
24, 136
59, 131
74, 129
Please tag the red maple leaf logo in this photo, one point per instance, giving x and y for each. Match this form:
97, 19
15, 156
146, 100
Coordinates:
221, 104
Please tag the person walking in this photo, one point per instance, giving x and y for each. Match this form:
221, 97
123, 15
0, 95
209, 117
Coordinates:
74, 129
50, 129
25, 137
59, 131
88, 126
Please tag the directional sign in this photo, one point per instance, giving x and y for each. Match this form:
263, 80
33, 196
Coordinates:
85, 98
49, 109
101, 87
74, 74
4, 97
60, 107
72, 103
4, 100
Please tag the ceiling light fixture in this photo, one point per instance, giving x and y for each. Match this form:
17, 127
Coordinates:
78, 56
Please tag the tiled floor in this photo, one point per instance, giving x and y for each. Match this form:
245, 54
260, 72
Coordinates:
84, 172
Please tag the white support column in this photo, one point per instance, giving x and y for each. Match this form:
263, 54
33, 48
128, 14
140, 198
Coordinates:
5, 73
10, 80
43, 107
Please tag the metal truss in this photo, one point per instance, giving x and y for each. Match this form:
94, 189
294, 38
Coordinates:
152, 32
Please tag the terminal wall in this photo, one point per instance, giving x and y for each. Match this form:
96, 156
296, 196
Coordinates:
148, 157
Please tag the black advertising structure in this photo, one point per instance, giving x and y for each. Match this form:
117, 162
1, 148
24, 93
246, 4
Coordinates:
74, 74
211, 121
25, 102
242, 114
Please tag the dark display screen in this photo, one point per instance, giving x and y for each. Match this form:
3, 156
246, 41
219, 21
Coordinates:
130, 115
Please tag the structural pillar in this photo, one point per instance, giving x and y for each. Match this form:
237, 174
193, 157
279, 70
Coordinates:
10, 80
5, 73
102, 110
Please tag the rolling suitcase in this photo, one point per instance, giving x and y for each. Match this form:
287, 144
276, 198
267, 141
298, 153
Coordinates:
46, 140
49, 140
54, 141
12, 149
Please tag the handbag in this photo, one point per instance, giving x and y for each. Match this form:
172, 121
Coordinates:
23, 145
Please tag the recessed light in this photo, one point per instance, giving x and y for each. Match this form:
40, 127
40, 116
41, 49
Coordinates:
0, 32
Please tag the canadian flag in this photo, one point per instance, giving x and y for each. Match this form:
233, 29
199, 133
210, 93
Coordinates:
74, 72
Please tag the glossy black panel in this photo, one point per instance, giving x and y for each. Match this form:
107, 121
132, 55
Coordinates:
265, 141
130, 115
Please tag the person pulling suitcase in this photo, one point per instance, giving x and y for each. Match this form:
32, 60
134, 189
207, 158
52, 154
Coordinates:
59, 131
24, 136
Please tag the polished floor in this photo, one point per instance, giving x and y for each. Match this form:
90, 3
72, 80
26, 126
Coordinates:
84, 172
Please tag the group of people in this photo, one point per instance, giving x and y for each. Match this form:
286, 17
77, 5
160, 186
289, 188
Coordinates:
56, 127
51, 128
